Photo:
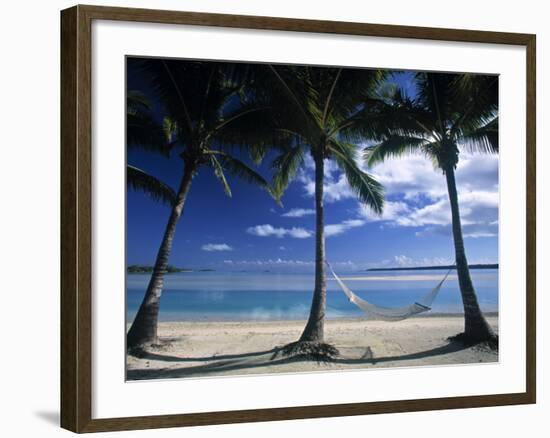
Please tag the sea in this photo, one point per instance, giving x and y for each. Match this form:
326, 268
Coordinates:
269, 296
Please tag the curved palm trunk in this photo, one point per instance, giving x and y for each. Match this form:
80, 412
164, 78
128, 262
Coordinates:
144, 328
475, 325
314, 331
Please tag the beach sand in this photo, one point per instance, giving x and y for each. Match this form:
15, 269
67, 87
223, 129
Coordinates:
198, 349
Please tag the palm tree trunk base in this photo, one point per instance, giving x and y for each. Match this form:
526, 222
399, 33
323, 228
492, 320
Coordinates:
139, 352
310, 350
143, 350
137, 340
490, 341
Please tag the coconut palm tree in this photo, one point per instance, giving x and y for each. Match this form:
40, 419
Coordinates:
450, 113
319, 109
204, 105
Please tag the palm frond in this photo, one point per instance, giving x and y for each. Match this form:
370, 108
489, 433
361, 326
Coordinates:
248, 127
477, 98
380, 118
192, 93
352, 92
330, 93
293, 87
187, 121
139, 180
285, 167
142, 130
447, 110
137, 102
436, 96
368, 190
169, 128
483, 139
144, 133
393, 147
218, 171
241, 170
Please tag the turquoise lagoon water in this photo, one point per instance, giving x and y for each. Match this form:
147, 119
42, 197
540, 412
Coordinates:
251, 296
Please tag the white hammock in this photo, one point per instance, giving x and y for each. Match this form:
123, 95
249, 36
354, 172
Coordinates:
391, 313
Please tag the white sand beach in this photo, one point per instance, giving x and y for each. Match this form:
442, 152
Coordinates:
196, 349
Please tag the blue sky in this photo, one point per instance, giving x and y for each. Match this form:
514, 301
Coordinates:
251, 232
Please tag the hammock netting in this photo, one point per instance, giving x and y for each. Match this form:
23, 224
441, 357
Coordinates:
391, 313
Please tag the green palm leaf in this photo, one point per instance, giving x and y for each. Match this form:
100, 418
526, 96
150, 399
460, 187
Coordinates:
218, 171
477, 98
368, 190
142, 130
394, 146
137, 179
241, 170
286, 166
450, 110
251, 129
483, 139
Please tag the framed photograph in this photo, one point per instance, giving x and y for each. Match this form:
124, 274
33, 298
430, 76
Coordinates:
268, 219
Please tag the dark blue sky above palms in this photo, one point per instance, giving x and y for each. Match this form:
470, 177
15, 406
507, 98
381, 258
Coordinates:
251, 232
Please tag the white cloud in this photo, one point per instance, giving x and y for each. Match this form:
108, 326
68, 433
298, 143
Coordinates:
335, 185
409, 177
423, 198
299, 212
476, 234
478, 211
416, 194
337, 190
334, 189
403, 261
413, 176
267, 230
393, 210
336, 229
268, 262
280, 263
438, 213
216, 247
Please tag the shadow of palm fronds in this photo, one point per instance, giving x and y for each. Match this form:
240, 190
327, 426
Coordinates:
268, 358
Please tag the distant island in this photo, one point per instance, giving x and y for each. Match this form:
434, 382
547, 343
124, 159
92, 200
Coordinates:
144, 269
430, 268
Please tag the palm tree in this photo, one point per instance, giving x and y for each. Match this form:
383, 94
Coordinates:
319, 110
451, 112
205, 104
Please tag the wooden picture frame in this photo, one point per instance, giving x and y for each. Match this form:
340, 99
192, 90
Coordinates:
76, 218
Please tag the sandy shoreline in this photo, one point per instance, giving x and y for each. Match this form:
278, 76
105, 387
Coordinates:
196, 349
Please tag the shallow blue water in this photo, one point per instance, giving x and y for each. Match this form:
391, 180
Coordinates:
270, 296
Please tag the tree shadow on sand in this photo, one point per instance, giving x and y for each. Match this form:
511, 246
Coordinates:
258, 359
151, 355
451, 347
248, 361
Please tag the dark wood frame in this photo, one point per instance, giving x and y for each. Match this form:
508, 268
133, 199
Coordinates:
76, 237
